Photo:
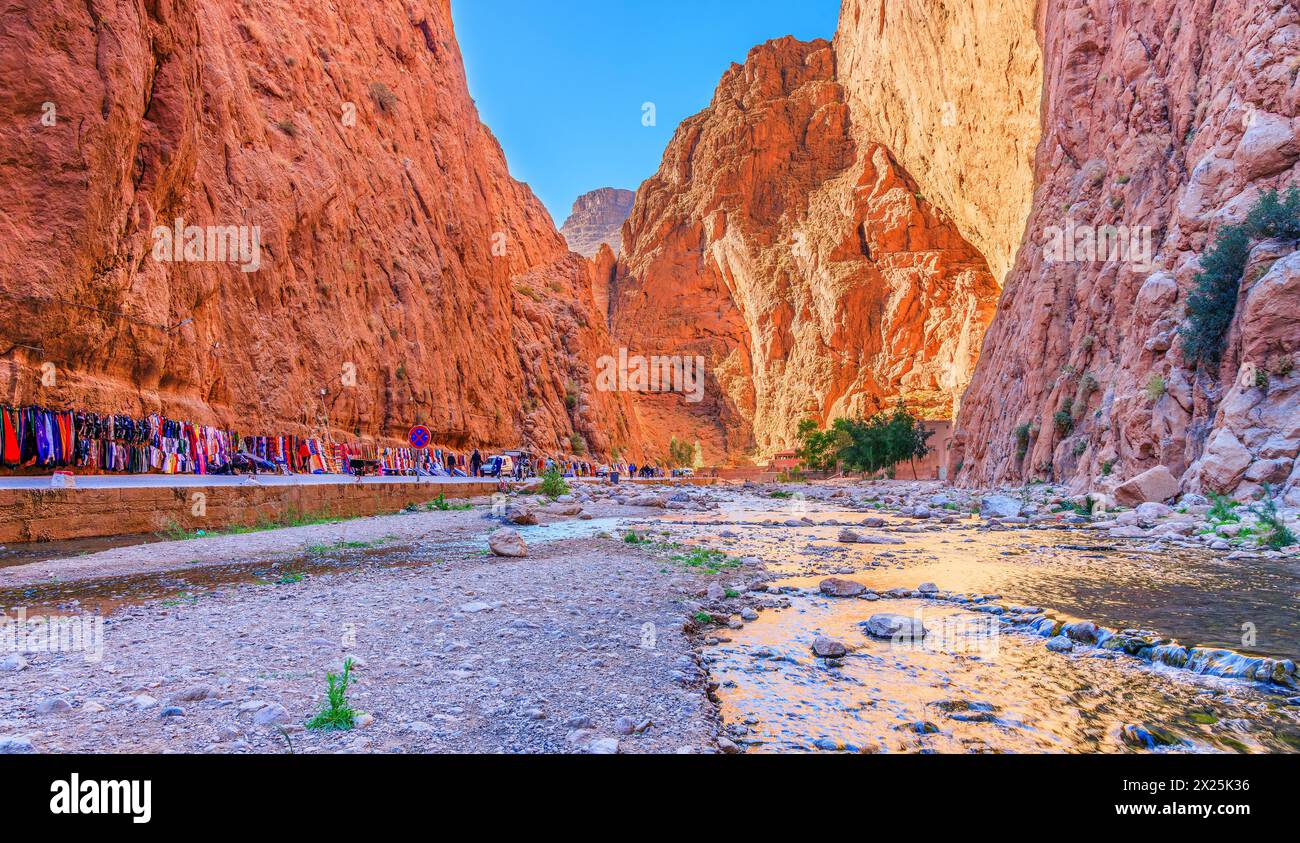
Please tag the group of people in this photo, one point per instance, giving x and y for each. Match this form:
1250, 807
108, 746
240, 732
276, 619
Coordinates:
36, 438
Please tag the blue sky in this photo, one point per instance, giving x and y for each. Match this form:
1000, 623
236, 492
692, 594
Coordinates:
562, 82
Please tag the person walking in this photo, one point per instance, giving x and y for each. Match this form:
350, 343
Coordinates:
475, 464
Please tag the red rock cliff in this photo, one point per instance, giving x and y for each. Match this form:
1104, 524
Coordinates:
803, 265
404, 276
597, 220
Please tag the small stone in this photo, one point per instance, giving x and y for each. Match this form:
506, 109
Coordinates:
15, 745
508, 543
836, 587
1060, 644
603, 746
896, 627
54, 705
828, 648
171, 711
727, 745
270, 715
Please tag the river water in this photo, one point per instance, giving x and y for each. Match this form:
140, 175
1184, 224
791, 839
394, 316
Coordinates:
975, 687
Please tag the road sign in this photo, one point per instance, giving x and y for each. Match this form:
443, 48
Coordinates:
420, 436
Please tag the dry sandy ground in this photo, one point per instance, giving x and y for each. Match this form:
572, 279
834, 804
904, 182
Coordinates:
583, 643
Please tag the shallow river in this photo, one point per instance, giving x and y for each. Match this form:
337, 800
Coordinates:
973, 687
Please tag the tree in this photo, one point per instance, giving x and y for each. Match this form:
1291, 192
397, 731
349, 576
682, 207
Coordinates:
681, 454
820, 450
870, 445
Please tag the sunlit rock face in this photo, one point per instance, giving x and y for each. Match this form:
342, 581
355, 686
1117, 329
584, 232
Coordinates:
597, 220
403, 275
804, 265
1166, 120
952, 88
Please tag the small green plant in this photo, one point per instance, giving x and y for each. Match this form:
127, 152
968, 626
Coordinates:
1063, 421
1272, 531
337, 715
1156, 387
290, 578
1021, 435
288, 128
703, 617
708, 561
577, 444
553, 484
1222, 510
1284, 366
1107, 466
632, 538
1080, 447
1261, 379
779, 494
441, 504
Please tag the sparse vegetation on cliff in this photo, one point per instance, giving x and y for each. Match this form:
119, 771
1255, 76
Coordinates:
1211, 307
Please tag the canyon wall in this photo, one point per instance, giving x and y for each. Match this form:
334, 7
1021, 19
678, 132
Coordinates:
952, 88
1168, 120
403, 276
597, 220
1164, 119
801, 263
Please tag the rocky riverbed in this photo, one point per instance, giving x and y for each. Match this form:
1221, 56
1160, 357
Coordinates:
704, 619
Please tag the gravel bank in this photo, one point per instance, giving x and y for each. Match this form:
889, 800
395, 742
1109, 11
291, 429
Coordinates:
460, 652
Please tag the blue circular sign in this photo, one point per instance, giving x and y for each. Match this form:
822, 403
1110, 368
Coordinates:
420, 436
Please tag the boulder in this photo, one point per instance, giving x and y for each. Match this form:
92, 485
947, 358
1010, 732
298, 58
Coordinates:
828, 648
521, 515
507, 542
1000, 506
836, 587
1060, 644
1224, 462
1155, 485
1151, 511
648, 500
895, 627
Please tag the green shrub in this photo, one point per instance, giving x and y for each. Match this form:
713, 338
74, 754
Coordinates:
1021, 435
1063, 421
553, 484
337, 715
1156, 388
1222, 509
1272, 532
1212, 305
